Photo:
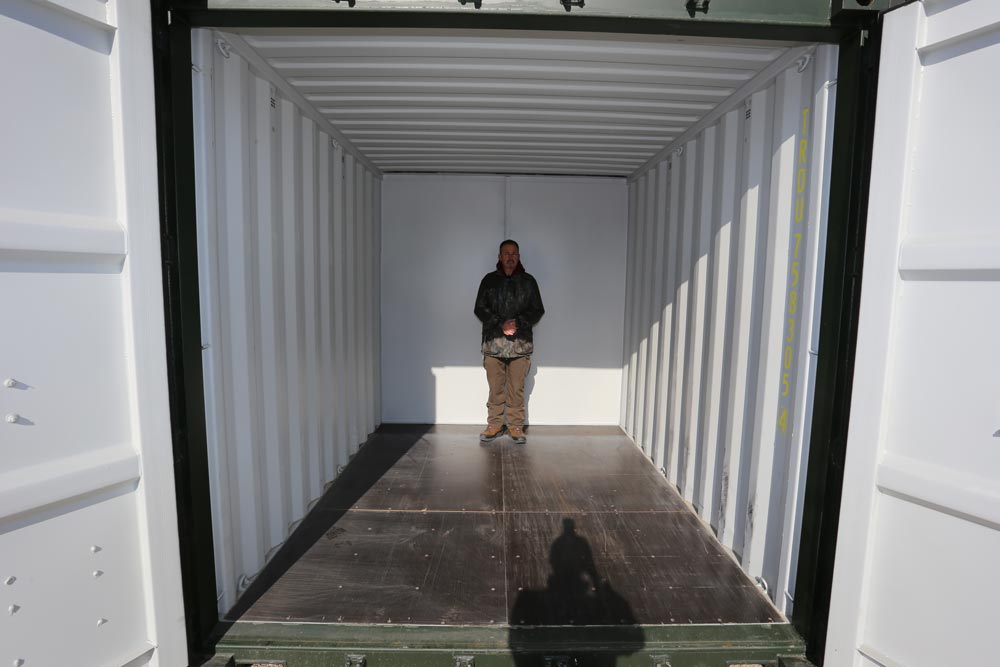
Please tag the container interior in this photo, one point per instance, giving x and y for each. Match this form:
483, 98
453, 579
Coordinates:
669, 194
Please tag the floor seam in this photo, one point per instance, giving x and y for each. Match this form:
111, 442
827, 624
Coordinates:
503, 540
552, 512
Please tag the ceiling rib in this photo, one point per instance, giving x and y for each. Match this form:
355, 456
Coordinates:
517, 103
763, 77
261, 65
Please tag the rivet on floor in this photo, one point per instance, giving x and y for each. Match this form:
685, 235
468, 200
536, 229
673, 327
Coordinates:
101, 621
9, 581
13, 609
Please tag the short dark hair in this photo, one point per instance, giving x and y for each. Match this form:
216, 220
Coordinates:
510, 242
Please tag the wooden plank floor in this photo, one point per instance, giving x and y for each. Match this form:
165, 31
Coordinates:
575, 528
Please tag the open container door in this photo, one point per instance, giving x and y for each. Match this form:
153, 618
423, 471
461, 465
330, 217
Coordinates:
89, 571
915, 578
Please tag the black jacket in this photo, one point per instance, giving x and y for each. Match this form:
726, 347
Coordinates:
515, 298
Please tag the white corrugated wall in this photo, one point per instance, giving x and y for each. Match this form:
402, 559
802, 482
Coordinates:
288, 265
721, 313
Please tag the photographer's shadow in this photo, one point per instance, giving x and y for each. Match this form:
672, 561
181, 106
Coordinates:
578, 615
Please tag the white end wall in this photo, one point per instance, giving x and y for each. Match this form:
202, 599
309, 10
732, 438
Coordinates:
288, 257
722, 329
440, 237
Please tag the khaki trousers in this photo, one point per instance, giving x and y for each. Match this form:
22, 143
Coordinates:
506, 380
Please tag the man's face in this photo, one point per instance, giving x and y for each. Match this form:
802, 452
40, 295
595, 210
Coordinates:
509, 258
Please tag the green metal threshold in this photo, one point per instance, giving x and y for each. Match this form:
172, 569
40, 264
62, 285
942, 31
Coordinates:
328, 645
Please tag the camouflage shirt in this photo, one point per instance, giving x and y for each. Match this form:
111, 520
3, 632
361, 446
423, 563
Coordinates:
507, 348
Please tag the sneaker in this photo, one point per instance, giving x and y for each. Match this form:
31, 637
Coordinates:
517, 435
490, 433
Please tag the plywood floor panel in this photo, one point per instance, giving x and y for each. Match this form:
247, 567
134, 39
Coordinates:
426, 526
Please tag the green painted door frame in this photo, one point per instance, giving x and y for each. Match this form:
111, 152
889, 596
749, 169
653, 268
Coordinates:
316, 645
825, 21
853, 24
792, 12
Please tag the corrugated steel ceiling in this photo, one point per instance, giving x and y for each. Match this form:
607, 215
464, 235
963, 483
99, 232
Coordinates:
416, 101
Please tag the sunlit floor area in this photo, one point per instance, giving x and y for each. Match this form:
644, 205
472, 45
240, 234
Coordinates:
429, 527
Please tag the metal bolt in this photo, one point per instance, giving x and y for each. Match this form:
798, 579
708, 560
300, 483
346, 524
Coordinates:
12, 418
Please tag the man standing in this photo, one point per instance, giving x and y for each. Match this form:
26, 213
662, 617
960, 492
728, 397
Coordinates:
508, 305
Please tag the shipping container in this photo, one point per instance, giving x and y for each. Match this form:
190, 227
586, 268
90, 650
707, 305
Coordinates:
243, 380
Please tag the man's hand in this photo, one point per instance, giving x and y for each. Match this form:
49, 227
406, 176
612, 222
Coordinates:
509, 327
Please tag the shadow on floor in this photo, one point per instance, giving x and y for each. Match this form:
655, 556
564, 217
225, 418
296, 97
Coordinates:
365, 469
576, 595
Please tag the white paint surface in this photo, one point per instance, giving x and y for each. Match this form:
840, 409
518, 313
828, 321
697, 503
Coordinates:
88, 533
441, 235
519, 102
730, 202
286, 265
915, 577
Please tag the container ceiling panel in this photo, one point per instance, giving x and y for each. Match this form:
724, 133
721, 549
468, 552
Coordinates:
502, 102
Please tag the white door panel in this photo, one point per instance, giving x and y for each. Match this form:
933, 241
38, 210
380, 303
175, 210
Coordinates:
915, 577
89, 568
